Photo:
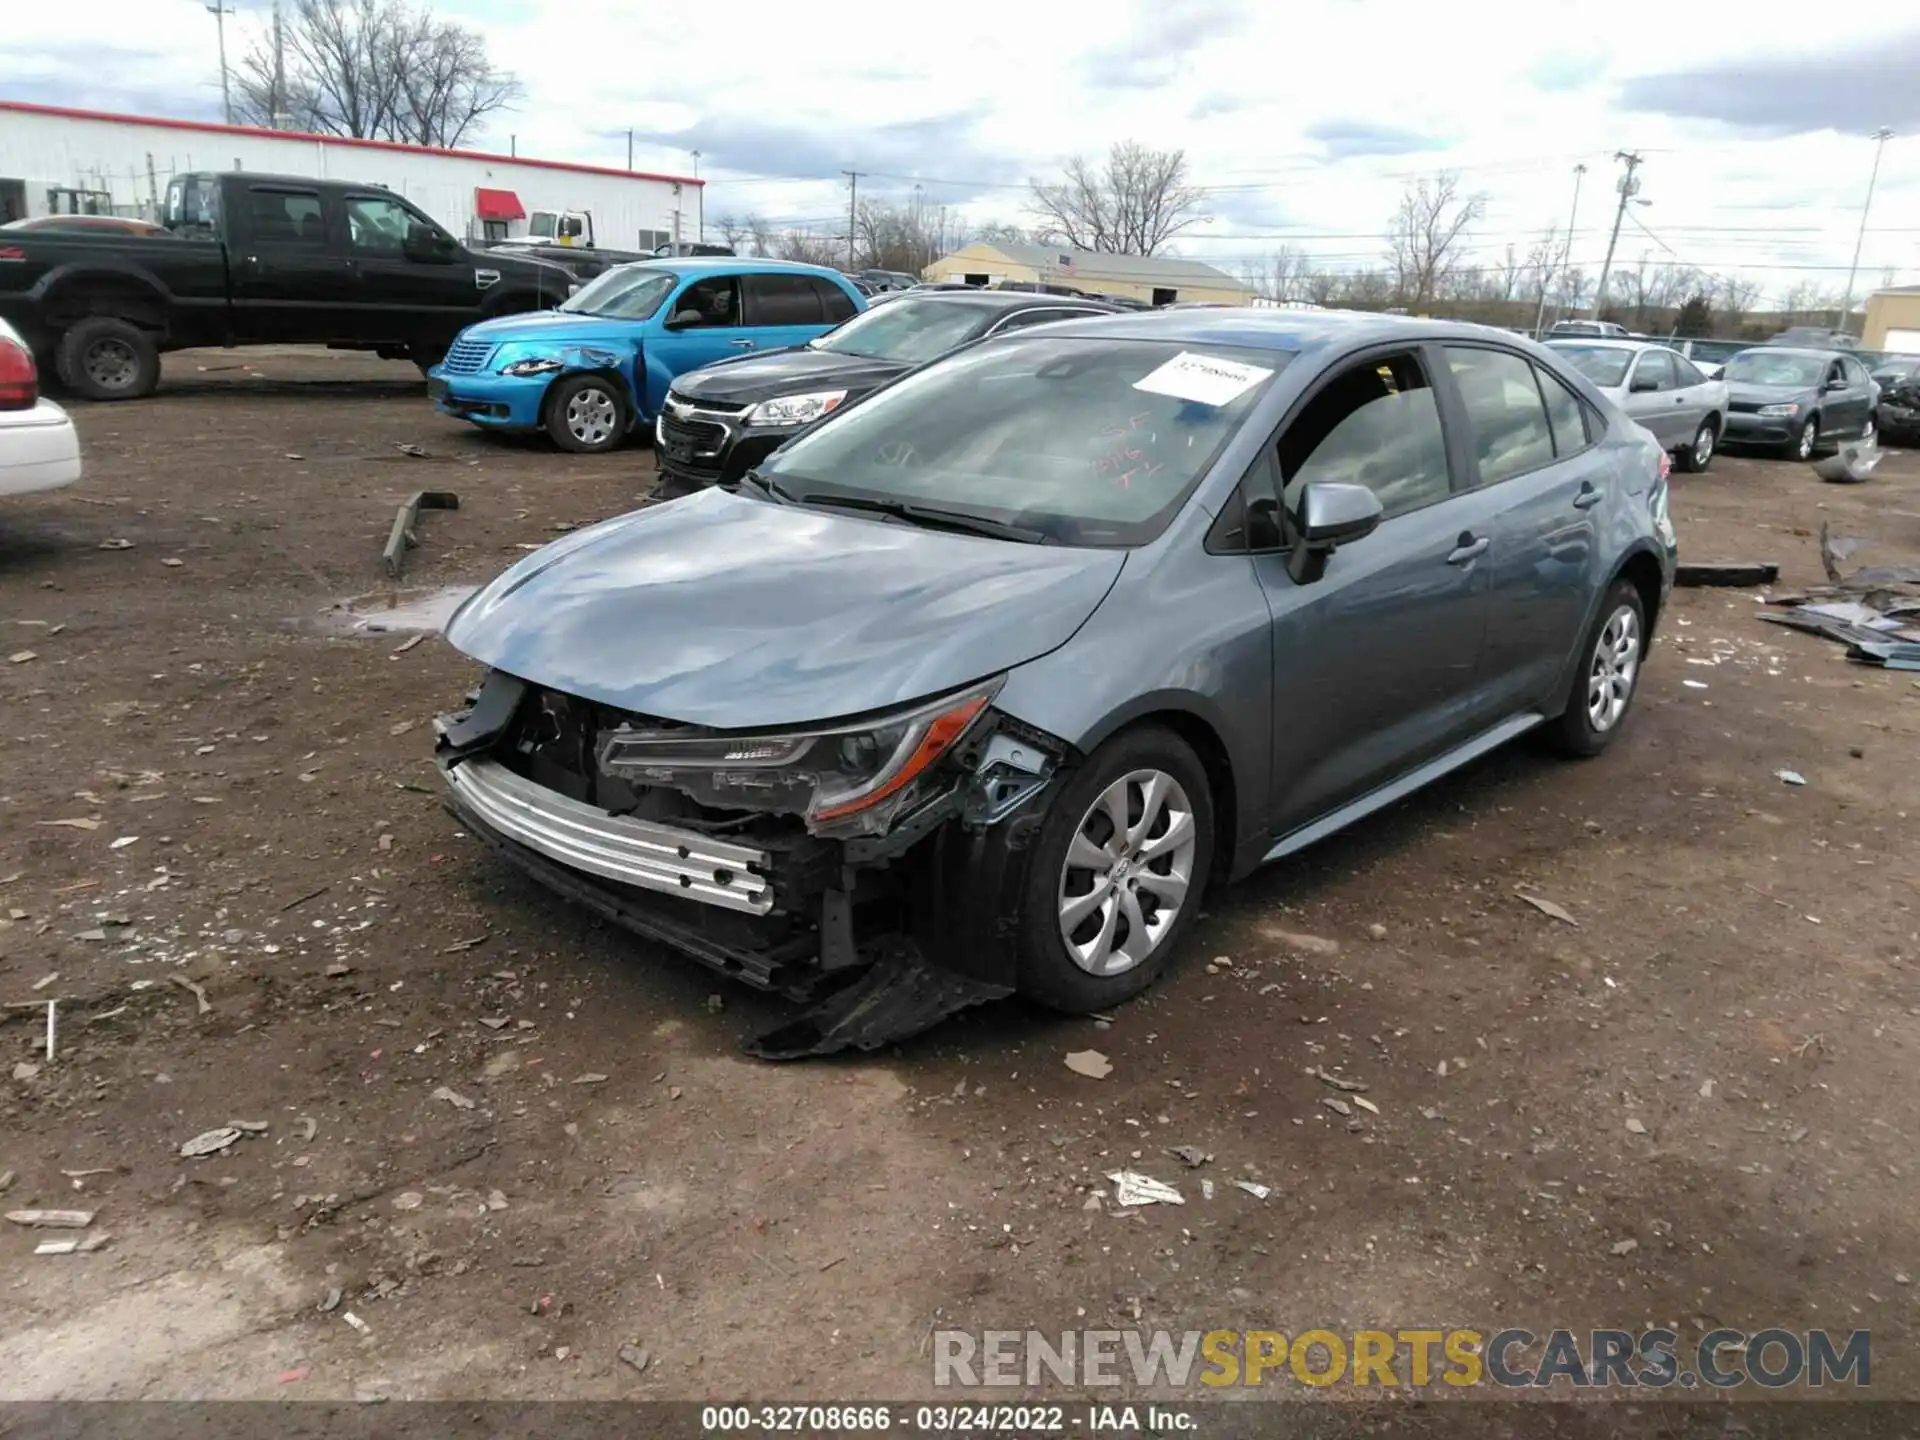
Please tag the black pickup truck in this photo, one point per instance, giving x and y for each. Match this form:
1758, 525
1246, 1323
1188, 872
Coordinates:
256, 260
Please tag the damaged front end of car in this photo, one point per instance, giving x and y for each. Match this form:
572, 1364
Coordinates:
870, 868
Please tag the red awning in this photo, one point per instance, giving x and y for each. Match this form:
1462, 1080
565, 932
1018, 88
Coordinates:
498, 205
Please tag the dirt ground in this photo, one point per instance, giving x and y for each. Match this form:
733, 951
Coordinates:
209, 778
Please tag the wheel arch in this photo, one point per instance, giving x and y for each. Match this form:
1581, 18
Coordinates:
610, 373
1643, 568
69, 295
1188, 720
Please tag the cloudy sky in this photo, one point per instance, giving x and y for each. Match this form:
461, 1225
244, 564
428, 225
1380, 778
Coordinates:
1304, 121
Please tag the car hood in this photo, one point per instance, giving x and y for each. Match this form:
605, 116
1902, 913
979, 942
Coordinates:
559, 326
1767, 394
726, 611
753, 378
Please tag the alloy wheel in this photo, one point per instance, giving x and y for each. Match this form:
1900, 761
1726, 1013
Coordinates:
1808, 433
1615, 665
1128, 869
1867, 436
111, 364
591, 416
1703, 446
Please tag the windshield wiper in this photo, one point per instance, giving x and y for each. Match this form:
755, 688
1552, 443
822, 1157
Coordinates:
769, 488
931, 517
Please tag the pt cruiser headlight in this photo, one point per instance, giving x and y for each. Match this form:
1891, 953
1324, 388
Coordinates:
796, 409
1777, 410
850, 779
532, 365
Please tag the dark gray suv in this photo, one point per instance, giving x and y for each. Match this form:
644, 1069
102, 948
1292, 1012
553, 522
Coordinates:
978, 683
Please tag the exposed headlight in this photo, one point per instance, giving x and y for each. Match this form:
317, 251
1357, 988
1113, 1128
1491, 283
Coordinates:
852, 779
796, 409
1778, 410
532, 365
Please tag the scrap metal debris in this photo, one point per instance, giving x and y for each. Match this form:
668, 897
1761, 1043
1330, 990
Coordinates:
402, 538
453, 1098
1873, 610
1130, 1187
1790, 777
1258, 1191
1727, 573
1850, 464
1549, 908
85, 1245
1191, 1156
198, 992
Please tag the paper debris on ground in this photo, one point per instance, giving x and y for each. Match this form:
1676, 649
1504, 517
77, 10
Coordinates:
1090, 1063
1549, 908
1130, 1187
1253, 1188
1790, 777
1191, 1156
52, 1219
210, 1142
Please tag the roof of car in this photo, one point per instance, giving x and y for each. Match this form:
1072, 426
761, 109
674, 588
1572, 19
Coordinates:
1007, 300
1607, 342
1810, 351
1281, 330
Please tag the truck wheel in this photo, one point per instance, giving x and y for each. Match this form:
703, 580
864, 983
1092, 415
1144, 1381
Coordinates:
586, 413
107, 359
426, 356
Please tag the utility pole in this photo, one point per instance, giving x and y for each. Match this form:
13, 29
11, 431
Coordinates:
1880, 138
699, 201
629, 149
853, 210
1628, 186
220, 10
1566, 253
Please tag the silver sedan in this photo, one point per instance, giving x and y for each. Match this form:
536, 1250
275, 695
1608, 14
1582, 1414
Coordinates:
1660, 388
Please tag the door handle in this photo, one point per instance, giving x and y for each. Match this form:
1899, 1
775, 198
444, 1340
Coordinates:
741, 344
1588, 496
1468, 550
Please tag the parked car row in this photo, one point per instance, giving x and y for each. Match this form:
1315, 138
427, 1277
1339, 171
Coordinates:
975, 682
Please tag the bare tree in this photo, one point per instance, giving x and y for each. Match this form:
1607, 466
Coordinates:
908, 236
1802, 301
1422, 245
1539, 270
1282, 277
761, 237
1367, 289
1323, 287
371, 69
809, 247
999, 232
1734, 297
733, 231
1513, 274
1133, 205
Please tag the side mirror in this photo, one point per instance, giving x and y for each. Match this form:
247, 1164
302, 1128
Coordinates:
429, 246
1835, 384
1326, 517
1643, 382
681, 319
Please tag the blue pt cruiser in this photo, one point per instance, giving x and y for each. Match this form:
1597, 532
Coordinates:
598, 367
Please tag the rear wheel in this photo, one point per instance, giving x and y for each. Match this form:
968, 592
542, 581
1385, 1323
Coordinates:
1118, 873
1609, 674
586, 414
1697, 456
107, 359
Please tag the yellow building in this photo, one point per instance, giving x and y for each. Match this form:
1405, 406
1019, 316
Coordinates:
1155, 279
1893, 320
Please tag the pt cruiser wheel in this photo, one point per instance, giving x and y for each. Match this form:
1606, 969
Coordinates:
1118, 874
586, 413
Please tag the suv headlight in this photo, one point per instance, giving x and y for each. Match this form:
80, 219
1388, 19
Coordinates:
849, 778
532, 365
1777, 410
796, 409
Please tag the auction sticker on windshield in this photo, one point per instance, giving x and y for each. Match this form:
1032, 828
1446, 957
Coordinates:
1202, 379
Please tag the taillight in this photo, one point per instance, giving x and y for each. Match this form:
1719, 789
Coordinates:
19, 380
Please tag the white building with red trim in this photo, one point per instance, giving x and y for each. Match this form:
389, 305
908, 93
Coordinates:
57, 160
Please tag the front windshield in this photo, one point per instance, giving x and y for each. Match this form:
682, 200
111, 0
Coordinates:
1604, 365
1770, 367
626, 292
907, 331
1087, 440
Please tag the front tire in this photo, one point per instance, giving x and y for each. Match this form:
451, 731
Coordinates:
1805, 440
103, 358
1697, 456
1609, 674
1118, 873
1870, 433
586, 414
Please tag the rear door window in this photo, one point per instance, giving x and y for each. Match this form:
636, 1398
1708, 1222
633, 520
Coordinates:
837, 304
1511, 433
783, 300
1566, 416
286, 217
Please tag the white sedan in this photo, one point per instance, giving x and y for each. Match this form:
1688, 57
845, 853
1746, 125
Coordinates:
38, 447
1685, 409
